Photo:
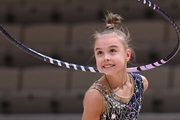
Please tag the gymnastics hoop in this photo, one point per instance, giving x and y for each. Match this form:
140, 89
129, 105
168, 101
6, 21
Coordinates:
94, 69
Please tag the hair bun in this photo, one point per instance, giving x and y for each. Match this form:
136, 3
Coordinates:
113, 20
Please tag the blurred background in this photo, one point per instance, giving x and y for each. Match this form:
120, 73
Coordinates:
62, 29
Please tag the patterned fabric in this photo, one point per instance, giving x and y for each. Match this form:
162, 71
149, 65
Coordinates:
116, 109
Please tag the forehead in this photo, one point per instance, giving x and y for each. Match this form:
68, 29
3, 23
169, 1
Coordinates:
108, 40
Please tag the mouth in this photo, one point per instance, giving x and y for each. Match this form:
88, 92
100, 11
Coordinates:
108, 66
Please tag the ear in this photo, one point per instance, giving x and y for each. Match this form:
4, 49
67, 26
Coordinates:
128, 54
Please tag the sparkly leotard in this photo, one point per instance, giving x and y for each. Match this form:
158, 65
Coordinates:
116, 109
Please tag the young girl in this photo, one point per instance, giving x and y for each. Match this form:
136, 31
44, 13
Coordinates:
117, 95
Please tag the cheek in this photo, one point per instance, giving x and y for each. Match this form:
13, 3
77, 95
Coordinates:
98, 62
120, 60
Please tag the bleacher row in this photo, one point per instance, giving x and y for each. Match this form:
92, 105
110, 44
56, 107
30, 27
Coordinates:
73, 43
143, 116
50, 89
30, 11
43, 89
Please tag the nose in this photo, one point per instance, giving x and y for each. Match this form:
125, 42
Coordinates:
106, 57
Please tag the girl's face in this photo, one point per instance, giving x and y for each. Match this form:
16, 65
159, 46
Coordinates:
110, 54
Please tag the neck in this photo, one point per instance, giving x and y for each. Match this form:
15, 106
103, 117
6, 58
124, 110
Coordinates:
116, 81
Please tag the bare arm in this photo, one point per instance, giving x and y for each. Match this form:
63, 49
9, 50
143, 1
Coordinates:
93, 105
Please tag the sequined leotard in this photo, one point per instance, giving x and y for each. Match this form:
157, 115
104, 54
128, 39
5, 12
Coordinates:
116, 109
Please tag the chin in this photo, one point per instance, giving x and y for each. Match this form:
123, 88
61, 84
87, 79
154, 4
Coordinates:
110, 72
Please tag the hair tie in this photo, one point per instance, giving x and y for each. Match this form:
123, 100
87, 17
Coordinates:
109, 26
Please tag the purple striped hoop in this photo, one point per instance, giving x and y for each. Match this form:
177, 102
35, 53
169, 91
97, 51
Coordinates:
94, 69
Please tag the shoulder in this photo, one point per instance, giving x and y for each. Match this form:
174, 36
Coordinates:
93, 97
143, 79
93, 104
92, 94
145, 82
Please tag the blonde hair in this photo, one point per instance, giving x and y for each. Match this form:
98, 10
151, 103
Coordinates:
114, 26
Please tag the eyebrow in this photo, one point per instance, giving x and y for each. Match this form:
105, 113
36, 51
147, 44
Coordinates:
112, 46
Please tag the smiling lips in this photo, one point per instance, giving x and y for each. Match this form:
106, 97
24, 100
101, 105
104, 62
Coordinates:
108, 65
